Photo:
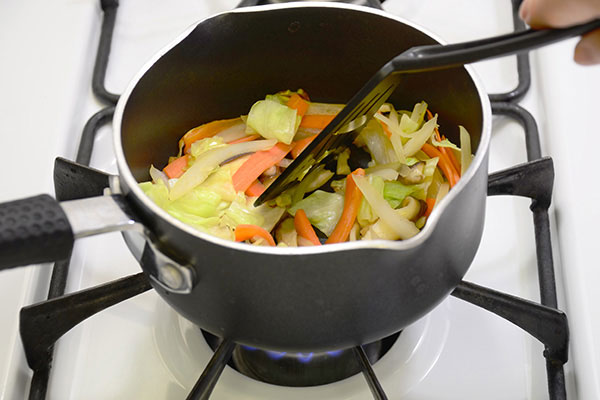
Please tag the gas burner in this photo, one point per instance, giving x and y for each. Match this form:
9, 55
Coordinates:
301, 369
184, 349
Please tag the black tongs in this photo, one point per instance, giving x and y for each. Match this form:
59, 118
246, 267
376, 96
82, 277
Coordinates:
344, 128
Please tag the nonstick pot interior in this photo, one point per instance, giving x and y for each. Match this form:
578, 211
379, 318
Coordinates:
232, 60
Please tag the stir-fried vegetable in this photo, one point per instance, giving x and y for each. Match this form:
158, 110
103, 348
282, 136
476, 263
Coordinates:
323, 209
224, 165
257, 164
352, 200
304, 228
273, 120
207, 162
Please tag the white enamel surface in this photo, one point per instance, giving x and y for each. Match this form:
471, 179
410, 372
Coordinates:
47, 57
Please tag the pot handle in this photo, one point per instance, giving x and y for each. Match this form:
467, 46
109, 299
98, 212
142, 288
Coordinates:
40, 229
33, 230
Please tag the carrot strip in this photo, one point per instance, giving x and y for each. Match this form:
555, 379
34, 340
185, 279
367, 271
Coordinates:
204, 131
247, 231
430, 203
245, 139
445, 151
316, 121
256, 189
298, 103
352, 199
305, 228
300, 145
453, 159
177, 167
444, 164
257, 164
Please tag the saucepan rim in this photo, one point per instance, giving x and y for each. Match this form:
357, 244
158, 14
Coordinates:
131, 186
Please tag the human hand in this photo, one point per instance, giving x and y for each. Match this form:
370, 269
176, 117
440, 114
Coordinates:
562, 13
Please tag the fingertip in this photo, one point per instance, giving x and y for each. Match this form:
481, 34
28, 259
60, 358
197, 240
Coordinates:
587, 51
525, 11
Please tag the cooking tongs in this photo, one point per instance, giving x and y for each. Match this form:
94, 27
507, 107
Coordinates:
344, 128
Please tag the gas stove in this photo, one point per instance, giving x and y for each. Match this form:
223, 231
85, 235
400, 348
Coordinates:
140, 348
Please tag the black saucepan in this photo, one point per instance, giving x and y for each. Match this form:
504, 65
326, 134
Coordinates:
295, 299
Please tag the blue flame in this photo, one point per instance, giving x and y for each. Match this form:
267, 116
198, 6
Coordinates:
276, 355
301, 357
304, 358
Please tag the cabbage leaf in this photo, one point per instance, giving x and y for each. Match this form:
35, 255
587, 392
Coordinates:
273, 120
323, 209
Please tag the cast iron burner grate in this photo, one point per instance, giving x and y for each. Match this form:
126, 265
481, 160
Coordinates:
300, 369
42, 324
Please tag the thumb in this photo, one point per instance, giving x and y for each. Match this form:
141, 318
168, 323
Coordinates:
587, 51
558, 13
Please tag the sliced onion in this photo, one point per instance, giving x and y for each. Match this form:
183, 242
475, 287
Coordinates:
465, 150
234, 132
208, 161
442, 192
157, 175
388, 174
411, 209
400, 225
420, 137
396, 133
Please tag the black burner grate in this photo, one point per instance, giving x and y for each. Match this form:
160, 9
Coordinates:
533, 179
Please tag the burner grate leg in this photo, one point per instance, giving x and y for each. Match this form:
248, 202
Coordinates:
109, 7
42, 324
207, 381
369, 374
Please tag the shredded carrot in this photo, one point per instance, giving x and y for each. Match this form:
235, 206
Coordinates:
452, 159
245, 232
245, 139
177, 167
430, 203
352, 199
256, 189
444, 164
304, 227
445, 151
257, 164
204, 131
300, 145
316, 121
298, 103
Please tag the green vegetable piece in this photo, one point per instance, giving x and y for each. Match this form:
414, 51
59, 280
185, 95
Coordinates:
323, 209
273, 120
395, 192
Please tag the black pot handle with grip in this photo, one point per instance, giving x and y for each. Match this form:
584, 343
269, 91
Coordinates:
34, 230
40, 229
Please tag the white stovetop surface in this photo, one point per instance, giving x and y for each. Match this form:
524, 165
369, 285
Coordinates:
47, 52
